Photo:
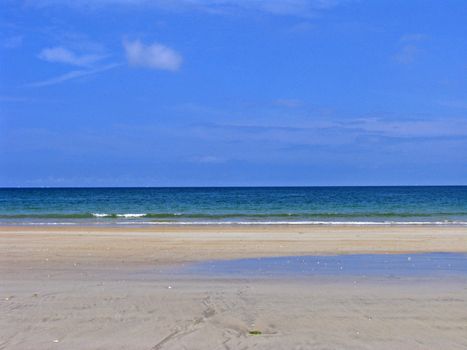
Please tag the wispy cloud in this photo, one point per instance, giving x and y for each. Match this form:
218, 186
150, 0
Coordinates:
72, 75
23, 99
287, 102
409, 48
89, 61
457, 104
12, 42
298, 8
302, 27
414, 37
208, 159
333, 132
154, 56
63, 55
407, 54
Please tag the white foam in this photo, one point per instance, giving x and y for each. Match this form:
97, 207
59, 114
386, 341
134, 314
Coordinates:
131, 215
99, 215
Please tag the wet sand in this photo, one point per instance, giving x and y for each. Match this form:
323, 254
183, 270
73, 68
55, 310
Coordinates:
111, 288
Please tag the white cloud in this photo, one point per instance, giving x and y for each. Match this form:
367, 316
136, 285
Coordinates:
62, 55
155, 56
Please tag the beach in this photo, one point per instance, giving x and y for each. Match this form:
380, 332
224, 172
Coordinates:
95, 287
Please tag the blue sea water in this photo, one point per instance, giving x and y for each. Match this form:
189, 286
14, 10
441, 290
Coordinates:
414, 205
382, 265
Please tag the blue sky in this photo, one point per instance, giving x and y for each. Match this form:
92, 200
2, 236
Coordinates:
224, 92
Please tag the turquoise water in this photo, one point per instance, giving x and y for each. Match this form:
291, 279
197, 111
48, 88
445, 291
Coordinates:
252, 205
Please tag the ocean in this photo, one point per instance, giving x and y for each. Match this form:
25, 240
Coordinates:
404, 205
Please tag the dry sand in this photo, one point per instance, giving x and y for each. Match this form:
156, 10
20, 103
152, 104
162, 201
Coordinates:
81, 288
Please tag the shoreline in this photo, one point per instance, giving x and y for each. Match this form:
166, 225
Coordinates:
142, 224
184, 226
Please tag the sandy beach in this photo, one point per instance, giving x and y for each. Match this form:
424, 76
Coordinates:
89, 287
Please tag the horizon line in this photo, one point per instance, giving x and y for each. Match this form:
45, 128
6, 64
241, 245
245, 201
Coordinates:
228, 186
